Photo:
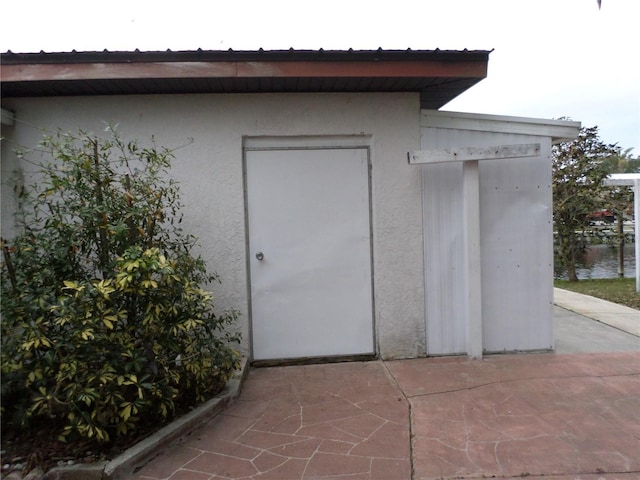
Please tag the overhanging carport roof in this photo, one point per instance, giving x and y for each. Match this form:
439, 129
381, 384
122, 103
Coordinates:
438, 75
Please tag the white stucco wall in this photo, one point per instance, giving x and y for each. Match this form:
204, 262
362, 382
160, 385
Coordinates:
211, 173
10, 174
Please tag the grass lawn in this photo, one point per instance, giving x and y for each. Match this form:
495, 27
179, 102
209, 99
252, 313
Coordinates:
617, 290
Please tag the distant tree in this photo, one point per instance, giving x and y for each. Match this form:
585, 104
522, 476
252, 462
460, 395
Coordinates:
622, 162
578, 172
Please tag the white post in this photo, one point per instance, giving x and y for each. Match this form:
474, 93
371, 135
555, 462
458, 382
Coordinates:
636, 221
471, 222
631, 180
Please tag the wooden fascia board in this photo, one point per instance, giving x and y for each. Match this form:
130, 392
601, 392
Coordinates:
234, 69
557, 130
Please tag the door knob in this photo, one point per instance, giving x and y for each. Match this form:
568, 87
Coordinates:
259, 255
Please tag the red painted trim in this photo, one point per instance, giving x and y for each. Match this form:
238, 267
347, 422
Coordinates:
273, 69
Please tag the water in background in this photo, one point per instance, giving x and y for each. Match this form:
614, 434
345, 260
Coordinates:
601, 261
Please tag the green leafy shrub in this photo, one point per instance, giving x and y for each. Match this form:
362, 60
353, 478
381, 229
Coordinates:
105, 324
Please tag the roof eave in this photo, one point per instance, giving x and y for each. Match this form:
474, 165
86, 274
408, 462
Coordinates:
439, 76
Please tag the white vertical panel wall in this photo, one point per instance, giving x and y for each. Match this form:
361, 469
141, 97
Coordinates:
444, 255
516, 245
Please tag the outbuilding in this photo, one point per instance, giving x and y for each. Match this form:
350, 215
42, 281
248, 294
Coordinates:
345, 214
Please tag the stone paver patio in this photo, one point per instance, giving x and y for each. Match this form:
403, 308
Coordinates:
516, 416
571, 416
347, 421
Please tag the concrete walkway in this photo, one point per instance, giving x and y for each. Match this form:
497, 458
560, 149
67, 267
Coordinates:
567, 416
618, 316
575, 333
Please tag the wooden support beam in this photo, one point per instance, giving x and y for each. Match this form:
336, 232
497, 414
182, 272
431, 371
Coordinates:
463, 154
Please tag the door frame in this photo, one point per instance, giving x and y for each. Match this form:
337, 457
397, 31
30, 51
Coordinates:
307, 142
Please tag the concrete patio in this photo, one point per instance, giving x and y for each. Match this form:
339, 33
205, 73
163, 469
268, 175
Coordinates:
570, 416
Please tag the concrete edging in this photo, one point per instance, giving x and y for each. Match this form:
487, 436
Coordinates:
123, 466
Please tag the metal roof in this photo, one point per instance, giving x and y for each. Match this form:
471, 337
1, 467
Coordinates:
439, 75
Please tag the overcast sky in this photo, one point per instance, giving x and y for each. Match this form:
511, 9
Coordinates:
551, 58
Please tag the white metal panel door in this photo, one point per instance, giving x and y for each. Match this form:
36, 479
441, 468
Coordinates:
309, 252
517, 251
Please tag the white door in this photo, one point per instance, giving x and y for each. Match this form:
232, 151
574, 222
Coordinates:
310, 252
